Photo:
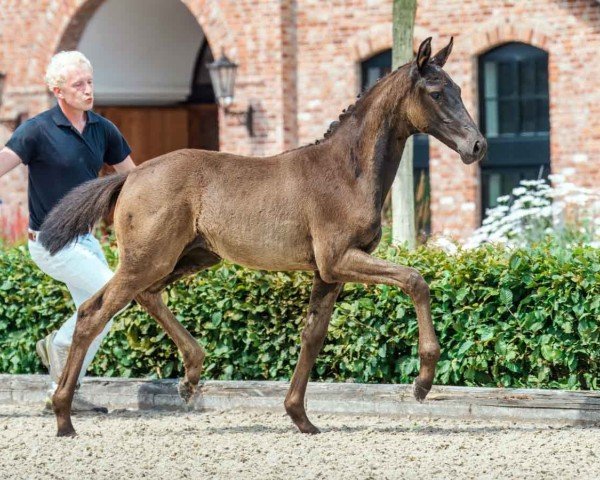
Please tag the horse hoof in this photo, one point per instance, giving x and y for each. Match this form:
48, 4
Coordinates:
186, 391
308, 428
68, 432
312, 430
420, 391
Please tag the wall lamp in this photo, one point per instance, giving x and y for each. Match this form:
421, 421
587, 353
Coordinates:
222, 74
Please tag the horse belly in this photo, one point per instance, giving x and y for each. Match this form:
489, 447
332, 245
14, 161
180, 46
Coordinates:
279, 248
261, 258
271, 262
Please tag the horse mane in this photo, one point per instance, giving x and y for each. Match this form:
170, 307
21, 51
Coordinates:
361, 98
349, 111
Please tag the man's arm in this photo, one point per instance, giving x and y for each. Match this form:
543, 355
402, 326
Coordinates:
9, 160
125, 166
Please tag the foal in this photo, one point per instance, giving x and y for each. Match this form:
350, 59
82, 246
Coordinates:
314, 208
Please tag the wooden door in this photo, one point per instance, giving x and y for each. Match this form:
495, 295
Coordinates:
153, 131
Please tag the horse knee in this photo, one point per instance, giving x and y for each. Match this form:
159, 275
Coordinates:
91, 305
418, 287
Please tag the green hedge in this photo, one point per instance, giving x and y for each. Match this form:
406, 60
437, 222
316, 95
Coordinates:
526, 318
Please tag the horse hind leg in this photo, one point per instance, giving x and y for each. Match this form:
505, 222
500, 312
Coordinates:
92, 317
191, 351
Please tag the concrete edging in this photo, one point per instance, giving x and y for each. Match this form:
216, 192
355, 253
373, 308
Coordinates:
396, 400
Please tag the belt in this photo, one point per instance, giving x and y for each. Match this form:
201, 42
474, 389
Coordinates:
32, 235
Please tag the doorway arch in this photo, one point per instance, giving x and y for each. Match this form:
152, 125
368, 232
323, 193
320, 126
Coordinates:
149, 57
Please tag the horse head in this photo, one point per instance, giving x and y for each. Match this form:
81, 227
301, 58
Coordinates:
435, 105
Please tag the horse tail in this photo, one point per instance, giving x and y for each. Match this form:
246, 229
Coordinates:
79, 210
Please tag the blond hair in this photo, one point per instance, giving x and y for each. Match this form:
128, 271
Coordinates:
60, 63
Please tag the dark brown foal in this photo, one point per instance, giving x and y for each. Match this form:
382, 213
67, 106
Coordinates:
315, 208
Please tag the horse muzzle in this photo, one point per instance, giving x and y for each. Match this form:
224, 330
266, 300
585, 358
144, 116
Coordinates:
474, 151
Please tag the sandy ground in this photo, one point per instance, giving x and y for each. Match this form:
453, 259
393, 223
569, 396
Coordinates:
264, 445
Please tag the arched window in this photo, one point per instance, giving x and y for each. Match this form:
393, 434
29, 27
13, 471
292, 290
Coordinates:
371, 70
514, 117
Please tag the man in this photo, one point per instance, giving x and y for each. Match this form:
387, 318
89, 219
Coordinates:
63, 148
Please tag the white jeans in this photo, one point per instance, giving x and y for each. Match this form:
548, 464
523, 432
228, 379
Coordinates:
84, 269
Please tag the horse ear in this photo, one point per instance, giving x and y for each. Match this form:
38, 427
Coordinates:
423, 54
440, 58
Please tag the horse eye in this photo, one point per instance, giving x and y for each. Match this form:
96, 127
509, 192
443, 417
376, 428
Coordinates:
435, 95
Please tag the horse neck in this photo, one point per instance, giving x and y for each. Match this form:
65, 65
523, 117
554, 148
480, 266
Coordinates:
371, 143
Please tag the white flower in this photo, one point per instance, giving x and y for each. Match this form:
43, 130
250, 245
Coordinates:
446, 245
531, 183
537, 210
556, 178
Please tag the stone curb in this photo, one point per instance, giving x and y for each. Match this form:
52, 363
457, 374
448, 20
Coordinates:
350, 398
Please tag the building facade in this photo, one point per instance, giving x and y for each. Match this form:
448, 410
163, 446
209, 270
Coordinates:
528, 71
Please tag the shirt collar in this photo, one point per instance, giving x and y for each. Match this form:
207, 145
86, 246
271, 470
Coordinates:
92, 117
60, 119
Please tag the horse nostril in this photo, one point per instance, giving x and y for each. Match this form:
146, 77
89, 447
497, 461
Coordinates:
476, 148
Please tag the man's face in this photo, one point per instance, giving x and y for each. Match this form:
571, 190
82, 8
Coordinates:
78, 89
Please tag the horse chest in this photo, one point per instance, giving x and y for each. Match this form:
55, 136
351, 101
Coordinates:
362, 224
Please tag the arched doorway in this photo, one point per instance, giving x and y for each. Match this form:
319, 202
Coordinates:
149, 59
515, 118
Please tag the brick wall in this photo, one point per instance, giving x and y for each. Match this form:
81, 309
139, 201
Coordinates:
333, 41
299, 67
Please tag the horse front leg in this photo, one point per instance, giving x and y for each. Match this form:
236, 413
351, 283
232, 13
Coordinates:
320, 308
360, 267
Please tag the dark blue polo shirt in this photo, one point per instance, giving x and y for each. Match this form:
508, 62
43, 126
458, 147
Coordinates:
60, 158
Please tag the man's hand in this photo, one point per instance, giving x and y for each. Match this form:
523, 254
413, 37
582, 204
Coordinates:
125, 166
9, 160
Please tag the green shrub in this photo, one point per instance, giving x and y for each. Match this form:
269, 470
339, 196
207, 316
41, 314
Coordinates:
513, 318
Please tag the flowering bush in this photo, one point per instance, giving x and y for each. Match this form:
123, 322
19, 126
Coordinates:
535, 210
